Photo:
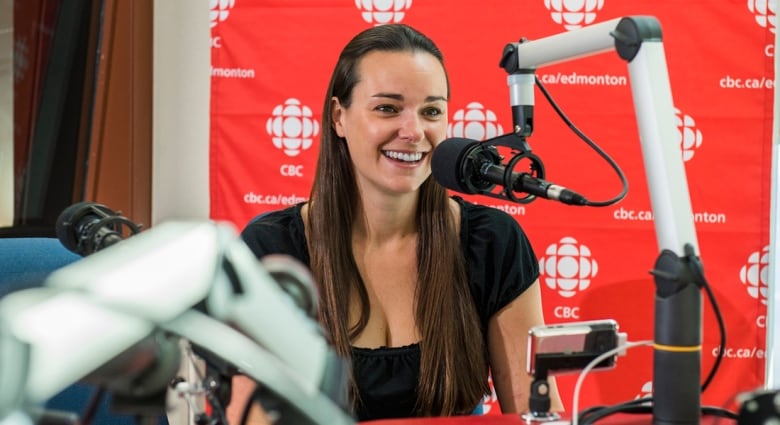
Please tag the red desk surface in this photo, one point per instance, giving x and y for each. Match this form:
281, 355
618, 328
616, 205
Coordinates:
617, 419
454, 420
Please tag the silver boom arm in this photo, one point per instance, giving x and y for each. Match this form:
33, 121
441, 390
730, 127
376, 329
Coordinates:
637, 40
196, 281
654, 109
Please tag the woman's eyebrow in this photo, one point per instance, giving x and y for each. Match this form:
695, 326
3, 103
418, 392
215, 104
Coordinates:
396, 96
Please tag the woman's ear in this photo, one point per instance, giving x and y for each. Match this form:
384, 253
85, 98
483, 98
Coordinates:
336, 113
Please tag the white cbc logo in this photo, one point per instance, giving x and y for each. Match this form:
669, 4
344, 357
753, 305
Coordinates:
379, 12
292, 127
475, 122
573, 14
764, 12
689, 137
646, 391
219, 10
755, 275
568, 267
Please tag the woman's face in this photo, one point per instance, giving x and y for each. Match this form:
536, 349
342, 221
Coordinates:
397, 116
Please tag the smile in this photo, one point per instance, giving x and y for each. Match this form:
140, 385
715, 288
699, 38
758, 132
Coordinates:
403, 156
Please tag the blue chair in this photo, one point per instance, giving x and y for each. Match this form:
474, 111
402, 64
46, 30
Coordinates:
25, 262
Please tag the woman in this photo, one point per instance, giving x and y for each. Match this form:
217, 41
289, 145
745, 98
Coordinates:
426, 294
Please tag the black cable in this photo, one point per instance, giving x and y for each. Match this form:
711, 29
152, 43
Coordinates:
721, 328
593, 414
718, 412
589, 142
633, 407
594, 409
216, 407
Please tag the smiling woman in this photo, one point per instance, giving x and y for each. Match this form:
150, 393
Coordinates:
406, 290
391, 121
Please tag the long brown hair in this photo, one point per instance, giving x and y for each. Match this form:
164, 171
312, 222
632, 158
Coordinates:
453, 369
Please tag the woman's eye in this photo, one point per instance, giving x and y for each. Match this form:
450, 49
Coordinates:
432, 112
387, 108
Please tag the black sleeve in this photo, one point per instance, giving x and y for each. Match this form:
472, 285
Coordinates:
500, 260
277, 232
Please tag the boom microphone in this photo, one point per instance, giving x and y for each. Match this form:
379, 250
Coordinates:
472, 167
87, 227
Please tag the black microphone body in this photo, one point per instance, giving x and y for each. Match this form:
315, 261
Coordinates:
525, 183
88, 227
472, 167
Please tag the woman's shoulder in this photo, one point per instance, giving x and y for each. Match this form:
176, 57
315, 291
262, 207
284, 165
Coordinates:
492, 238
289, 216
500, 260
277, 232
477, 218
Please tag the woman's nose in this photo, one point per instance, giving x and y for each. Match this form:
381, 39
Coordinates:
411, 128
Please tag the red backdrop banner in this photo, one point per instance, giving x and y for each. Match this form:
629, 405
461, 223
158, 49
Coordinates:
271, 61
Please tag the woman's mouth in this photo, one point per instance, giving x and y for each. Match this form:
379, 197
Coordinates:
408, 157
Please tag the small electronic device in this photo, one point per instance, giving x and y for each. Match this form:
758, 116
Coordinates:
569, 347
761, 406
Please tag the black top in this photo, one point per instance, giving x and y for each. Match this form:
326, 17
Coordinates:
501, 265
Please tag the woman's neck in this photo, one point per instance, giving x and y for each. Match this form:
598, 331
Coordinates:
384, 218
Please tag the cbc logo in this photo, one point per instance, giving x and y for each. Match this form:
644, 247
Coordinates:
379, 12
292, 127
646, 391
219, 10
755, 275
689, 137
764, 12
566, 312
475, 122
568, 268
291, 170
573, 14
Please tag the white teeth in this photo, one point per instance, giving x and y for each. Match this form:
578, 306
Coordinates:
404, 156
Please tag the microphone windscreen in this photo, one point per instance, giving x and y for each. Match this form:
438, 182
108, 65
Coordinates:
447, 163
65, 227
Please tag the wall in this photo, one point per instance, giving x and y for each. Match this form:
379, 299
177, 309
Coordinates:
181, 111
180, 144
